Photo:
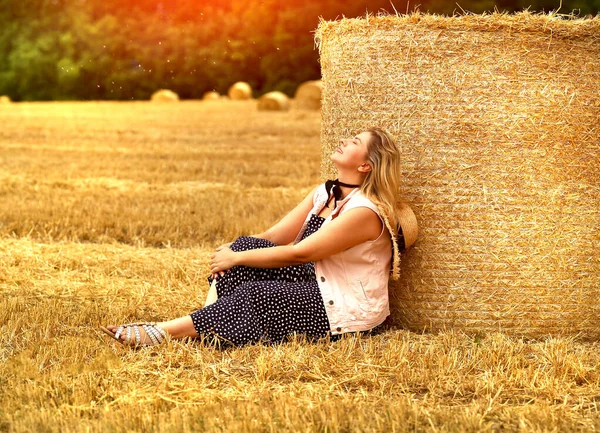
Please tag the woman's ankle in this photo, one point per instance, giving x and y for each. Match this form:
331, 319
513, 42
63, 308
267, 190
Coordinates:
181, 327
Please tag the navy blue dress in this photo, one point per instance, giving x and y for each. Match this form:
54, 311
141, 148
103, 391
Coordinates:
267, 305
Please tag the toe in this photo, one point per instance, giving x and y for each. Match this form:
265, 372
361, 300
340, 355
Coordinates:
112, 328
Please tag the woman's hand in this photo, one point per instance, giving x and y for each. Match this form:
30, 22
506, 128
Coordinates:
222, 260
220, 274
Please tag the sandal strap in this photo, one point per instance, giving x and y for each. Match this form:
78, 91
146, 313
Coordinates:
138, 337
150, 333
159, 333
159, 336
120, 330
156, 334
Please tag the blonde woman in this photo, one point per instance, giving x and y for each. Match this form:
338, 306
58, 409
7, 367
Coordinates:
322, 270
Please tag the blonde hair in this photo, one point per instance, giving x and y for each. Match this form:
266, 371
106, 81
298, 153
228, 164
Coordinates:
382, 185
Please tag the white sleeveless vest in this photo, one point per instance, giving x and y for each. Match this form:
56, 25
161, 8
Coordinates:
353, 283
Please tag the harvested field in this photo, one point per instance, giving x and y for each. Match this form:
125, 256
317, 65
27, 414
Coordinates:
140, 173
110, 212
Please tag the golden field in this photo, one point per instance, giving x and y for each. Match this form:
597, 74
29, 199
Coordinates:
109, 213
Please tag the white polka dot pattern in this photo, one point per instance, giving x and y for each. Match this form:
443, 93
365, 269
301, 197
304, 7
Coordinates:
258, 304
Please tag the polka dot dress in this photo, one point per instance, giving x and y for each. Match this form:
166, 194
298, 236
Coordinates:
257, 304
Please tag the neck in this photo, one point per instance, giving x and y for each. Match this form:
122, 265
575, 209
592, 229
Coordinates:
343, 184
350, 178
348, 185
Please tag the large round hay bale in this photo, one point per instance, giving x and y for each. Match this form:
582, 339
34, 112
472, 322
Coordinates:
498, 122
211, 96
5, 99
240, 91
308, 95
274, 101
164, 95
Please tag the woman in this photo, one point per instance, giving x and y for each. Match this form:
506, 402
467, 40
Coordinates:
322, 270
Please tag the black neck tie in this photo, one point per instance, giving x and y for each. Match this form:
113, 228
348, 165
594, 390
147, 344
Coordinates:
337, 191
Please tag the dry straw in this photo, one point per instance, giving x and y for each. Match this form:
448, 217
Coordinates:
164, 95
4, 99
498, 121
308, 95
240, 91
274, 101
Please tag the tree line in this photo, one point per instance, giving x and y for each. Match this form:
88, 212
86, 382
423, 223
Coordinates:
110, 49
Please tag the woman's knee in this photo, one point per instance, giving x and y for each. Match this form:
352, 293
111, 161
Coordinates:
245, 243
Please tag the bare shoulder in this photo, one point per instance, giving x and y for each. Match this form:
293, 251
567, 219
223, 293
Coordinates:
351, 228
361, 220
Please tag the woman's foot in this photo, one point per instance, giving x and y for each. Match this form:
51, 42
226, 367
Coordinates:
137, 334
151, 334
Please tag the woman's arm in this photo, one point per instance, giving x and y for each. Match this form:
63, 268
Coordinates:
286, 229
349, 229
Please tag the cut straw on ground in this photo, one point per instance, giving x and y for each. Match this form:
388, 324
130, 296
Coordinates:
59, 373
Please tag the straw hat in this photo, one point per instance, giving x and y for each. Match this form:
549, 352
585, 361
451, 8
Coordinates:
410, 230
408, 224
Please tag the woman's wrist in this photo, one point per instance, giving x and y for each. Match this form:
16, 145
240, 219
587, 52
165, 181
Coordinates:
238, 257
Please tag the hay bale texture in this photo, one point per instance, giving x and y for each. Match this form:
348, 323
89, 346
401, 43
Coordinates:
273, 101
5, 99
240, 91
498, 121
308, 95
164, 95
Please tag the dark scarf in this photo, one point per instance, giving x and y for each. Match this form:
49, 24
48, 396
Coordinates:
337, 191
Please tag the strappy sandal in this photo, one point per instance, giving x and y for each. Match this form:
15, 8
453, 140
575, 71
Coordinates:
156, 334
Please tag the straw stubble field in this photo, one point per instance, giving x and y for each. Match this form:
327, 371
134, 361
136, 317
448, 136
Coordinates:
109, 213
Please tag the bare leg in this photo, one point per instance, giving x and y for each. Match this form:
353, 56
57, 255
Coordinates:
179, 328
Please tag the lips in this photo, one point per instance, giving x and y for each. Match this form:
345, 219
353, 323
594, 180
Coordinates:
339, 149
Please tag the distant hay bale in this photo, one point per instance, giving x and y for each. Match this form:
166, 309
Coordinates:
211, 96
5, 99
274, 101
498, 122
164, 95
308, 95
240, 91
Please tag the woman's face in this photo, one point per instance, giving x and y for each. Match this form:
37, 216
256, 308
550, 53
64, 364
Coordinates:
352, 152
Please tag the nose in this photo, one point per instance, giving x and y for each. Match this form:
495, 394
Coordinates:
343, 143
